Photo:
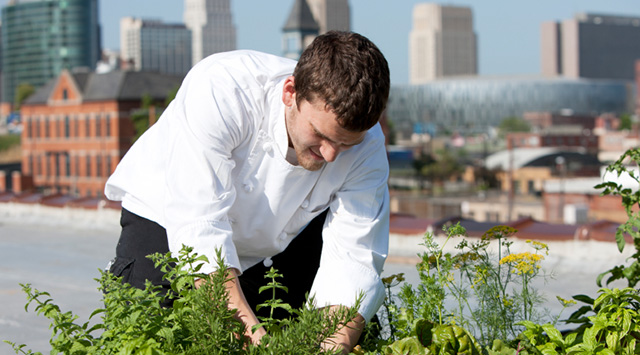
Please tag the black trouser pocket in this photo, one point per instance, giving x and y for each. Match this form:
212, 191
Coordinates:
139, 238
122, 267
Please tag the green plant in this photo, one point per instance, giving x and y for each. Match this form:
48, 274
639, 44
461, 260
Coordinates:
9, 140
199, 322
631, 203
491, 292
614, 329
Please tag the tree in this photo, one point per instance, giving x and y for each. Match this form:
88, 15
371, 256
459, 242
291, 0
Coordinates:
23, 91
513, 124
625, 122
445, 166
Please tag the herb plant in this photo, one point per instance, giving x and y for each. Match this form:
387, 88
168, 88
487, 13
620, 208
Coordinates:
199, 322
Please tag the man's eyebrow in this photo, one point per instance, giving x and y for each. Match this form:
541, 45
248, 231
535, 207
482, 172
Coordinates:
319, 134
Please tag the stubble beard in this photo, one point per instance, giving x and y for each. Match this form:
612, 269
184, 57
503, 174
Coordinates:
307, 161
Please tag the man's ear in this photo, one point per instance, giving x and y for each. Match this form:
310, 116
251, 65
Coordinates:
289, 92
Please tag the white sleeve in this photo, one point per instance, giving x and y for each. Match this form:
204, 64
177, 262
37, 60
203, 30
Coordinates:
211, 116
356, 239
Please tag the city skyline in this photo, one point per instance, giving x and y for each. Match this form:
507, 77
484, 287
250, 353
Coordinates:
500, 51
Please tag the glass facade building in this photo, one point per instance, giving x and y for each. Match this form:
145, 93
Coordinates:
40, 38
471, 105
155, 46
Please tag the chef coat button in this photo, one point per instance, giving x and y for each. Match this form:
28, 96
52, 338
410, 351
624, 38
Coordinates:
282, 236
268, 147
267, 262
248, 187
305, 204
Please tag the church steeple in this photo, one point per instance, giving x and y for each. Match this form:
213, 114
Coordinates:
299, 30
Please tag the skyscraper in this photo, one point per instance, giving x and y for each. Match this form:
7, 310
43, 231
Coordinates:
150, 45
591, 46
331, 14
40, 38
442, 43
299, 30
211, 26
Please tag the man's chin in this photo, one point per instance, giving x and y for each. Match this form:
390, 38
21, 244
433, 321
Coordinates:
311, 165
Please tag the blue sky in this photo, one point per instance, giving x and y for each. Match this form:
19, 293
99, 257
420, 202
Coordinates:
508, 30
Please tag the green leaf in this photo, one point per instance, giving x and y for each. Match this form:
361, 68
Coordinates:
553, 334
583, 298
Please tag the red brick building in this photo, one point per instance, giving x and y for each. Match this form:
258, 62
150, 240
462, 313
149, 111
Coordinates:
78, 126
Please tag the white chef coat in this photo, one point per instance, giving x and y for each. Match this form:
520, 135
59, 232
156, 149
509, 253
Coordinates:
212, 171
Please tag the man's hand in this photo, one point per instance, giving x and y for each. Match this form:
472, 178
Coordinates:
244, 313
347, 336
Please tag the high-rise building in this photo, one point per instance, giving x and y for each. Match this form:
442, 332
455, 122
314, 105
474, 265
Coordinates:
331, 14
150, 45
211, 26
591, 46
41, 38
442, 43
299, 30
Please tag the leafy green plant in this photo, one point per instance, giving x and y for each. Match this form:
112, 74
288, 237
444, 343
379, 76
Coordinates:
199, 322
491, 292
631, 204
614, 329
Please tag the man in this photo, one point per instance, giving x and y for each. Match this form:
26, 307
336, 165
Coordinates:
254, 151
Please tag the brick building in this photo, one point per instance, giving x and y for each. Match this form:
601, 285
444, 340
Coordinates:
77, 127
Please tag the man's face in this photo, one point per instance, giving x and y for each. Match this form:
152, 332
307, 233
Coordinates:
315, 135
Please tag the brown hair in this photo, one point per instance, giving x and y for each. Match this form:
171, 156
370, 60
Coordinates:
349, 73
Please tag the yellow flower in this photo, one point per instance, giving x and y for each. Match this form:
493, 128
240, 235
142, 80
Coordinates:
388, 281
565, 302
539, 246
523, 263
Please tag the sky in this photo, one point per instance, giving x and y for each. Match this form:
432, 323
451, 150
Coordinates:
508, 31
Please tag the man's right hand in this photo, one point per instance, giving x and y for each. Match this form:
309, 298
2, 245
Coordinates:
244, 313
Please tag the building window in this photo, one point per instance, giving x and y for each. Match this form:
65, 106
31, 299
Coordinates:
67, 168
108, 165
37, 128
98, 123
56, 167
67, 128
98, 166
108, 128
88, 166
46, 127
87, 127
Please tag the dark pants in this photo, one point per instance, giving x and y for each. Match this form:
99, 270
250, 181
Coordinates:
298, 263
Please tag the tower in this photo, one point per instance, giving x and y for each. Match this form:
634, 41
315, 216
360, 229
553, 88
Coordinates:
211, 26
299, 30
150, 45
41, 38
442, 43
331, 14
591, 46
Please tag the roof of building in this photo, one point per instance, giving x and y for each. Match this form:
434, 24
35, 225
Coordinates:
543, 156
114, 85
301, 18
526, 228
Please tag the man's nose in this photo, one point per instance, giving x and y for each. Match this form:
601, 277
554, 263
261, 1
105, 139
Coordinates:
329, 151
